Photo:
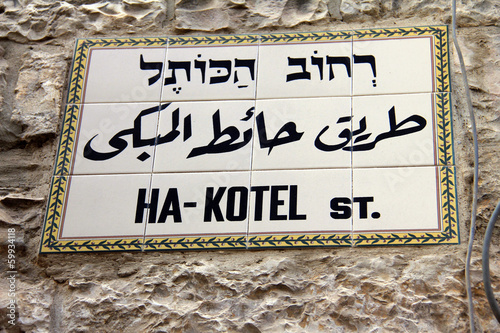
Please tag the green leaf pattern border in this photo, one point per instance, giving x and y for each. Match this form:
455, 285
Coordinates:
450, 234
441, 47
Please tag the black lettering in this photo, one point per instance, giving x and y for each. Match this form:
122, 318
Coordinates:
243, 205
212, 204
275, 202
173, 65
363, 206
293, 204
259, 198
318, 62
340, 211
171, 206
226, 64
304, 75
346, 61
201, 65
142, 205
151, 66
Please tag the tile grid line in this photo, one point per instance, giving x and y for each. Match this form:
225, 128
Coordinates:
352, 128
247, 242
148, 198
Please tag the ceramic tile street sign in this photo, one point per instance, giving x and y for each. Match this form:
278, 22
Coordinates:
256, 141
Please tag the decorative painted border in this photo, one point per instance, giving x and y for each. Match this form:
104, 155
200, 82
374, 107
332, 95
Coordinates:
447, 181
67, 140
241, 242
441, 52
213, 40
196, 243
306, 37
449, 233
310, 240
82, 49
444, 126
53, 213
444, 133
50, 242
399, 32
92, 246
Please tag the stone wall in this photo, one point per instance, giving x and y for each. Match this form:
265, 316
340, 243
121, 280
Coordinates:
400, 289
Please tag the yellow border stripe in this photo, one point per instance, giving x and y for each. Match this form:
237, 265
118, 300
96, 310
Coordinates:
196, 243
213, 40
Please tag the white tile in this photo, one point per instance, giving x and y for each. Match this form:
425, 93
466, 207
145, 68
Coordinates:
210, 72
205, 136
115, 75
396, 199
103, 206
300, 202
392, 66
304, 70
287, 133
409, 141
199, 204
108, 131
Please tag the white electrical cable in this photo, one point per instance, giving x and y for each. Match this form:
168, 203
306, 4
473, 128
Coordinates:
476, 170
486, 264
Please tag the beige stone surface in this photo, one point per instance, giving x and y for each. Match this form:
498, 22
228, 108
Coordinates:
379, 289
38, 94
